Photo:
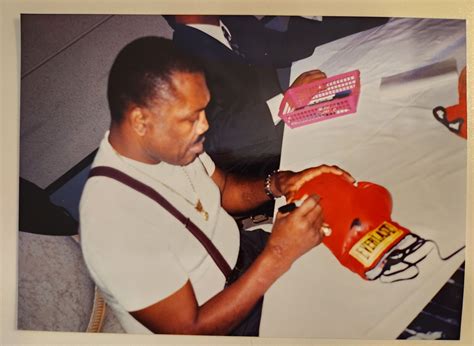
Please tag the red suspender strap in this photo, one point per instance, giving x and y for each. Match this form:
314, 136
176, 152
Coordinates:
154, 195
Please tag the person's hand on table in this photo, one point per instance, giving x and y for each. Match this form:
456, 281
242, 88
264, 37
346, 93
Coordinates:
308, 77
287, 183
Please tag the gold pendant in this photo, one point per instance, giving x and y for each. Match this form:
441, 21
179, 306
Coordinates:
201, 210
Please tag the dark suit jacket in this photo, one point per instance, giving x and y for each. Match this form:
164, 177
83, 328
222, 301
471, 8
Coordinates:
242, 135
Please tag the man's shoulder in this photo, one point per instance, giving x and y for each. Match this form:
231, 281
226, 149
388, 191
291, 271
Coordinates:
108, 203
100, 191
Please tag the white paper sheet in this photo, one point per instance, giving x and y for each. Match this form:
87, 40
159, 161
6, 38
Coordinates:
429, 81
391, 142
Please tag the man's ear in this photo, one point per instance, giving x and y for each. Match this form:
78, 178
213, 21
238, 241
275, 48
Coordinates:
138, 118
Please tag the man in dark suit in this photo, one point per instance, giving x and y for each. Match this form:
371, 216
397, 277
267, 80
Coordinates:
240, 56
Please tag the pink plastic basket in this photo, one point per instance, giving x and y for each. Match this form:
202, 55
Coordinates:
321, 100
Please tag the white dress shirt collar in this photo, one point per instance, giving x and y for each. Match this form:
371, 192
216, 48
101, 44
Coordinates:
214, 31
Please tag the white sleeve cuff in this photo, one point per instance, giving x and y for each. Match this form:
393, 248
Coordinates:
274, 106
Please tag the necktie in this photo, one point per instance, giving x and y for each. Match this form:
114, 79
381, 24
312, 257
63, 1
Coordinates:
235, 47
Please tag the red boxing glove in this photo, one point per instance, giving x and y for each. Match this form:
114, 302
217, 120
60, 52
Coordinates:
362, 231
455, 117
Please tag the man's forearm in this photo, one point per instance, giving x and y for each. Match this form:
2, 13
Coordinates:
292, 236
180, 313
221, 314
243, 194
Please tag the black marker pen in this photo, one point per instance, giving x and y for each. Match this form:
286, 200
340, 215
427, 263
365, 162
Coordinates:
288, 208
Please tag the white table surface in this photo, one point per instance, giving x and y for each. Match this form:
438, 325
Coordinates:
393, 140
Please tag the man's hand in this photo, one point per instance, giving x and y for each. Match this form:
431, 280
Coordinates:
308, 77
287, 183
295, 233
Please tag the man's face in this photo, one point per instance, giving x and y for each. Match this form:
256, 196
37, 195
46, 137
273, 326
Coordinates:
177, 122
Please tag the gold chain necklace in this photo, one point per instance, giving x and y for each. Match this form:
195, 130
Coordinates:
197, 206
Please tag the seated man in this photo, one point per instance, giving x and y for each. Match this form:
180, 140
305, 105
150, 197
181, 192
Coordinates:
240, 57
165, 267
246, 94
